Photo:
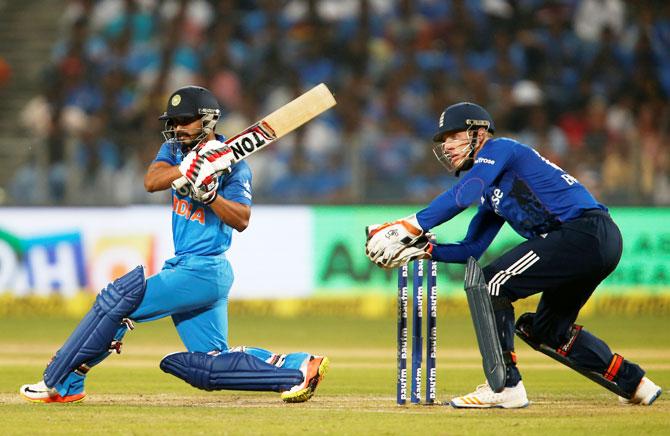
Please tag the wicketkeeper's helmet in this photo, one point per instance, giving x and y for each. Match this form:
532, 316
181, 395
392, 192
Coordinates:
463, 116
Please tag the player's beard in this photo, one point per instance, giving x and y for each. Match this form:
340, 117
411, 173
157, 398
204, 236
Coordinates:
187, 140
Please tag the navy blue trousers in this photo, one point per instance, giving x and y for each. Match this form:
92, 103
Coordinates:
565, 266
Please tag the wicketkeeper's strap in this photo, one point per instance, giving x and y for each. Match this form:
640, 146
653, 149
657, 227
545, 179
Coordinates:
613, 367
509, 357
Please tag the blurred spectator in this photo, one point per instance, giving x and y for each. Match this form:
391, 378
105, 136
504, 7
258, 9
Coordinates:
5, 72
547, 138
652, 145
593, 16
618, 175
586, 82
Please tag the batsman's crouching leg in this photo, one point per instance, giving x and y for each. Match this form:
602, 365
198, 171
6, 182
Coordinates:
288, 361
92, 338
73, 383
229, 371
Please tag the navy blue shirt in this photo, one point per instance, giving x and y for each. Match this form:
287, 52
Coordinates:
513, 184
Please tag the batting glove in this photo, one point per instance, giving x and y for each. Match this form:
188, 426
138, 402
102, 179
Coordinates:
208, 194
190, 166
216, 161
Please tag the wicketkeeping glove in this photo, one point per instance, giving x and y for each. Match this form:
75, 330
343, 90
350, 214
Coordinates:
420, 249
389, 238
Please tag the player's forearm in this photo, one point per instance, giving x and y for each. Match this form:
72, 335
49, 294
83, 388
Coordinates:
160, 176
482, 230
458, 252
236, 215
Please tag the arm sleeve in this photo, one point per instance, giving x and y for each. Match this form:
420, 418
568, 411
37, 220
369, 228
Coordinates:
237, 185
481, 231
166, 154
488, 166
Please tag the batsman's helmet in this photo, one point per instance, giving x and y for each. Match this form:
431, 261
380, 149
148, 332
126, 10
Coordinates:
463, 116
188, 104
191, 102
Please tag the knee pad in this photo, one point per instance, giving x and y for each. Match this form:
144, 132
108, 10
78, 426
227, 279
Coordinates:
565, 348
547, 335
96, 331
229, 371
524, 325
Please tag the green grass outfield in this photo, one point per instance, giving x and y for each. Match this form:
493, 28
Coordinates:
128, 394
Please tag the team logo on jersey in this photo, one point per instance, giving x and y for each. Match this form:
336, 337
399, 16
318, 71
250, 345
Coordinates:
496, 197
247, 189
485, 160
184, 209
176, 99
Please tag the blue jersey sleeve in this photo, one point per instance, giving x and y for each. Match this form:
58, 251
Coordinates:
236, 186
166, 154
481, 231
490, 162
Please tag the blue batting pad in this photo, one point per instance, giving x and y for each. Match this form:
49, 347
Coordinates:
73, 383
229, 371
95, 332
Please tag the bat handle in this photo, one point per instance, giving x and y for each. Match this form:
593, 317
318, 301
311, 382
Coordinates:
179, 183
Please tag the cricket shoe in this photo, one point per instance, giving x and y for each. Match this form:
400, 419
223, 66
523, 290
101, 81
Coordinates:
313, 370
41, 393
484, 398
645, 394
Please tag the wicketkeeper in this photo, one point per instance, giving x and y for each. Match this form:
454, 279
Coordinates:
193, 286
571, 246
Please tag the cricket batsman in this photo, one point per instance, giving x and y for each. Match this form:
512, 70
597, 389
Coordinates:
193, 286
572, 244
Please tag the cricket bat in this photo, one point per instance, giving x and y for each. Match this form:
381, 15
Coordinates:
279, 123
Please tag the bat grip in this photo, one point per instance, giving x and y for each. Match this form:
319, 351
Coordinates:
179, 183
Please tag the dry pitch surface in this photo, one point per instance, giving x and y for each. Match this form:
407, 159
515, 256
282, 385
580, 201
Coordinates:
128, 394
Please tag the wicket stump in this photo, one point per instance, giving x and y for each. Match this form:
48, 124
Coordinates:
417, 335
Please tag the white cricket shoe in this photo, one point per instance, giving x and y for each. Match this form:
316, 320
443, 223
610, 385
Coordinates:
484, 398
645, 394
41, 393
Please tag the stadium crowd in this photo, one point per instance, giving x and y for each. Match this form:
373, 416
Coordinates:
587, 82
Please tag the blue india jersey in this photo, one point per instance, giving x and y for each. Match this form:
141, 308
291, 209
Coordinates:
512, 183
195, 227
